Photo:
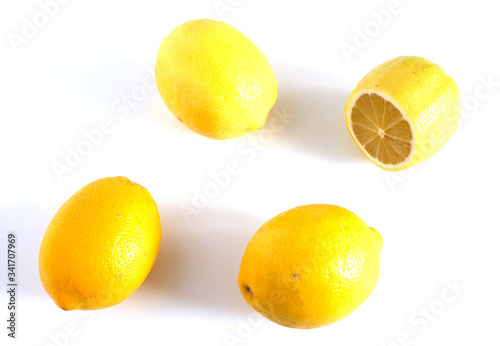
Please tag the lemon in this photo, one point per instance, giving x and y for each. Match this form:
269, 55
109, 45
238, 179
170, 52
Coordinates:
310, 266
100, 245
402, 112
214, 79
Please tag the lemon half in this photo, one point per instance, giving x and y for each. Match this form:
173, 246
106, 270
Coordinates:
402, 112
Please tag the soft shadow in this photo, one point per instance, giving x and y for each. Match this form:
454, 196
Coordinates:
103, 81
121, 89
199, 260
28, 222
316, 99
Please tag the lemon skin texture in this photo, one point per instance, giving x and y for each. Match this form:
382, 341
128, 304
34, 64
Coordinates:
310, 266
214, 79
100, 245
426, 96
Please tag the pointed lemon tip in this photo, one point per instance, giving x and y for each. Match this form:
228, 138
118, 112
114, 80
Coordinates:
378, 239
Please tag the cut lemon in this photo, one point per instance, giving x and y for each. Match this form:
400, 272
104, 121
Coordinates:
402, 112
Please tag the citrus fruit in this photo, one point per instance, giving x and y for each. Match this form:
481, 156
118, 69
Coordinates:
402, 112
100, 245
310, 266
214, 79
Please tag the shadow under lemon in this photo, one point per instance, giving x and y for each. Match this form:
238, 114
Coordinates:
28, 222
198, 261
315, 101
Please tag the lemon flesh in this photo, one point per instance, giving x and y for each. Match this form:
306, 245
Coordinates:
402, 112
387, 138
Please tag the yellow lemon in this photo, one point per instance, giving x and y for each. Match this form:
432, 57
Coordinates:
310, 266
402, 112
214, 79
100, 245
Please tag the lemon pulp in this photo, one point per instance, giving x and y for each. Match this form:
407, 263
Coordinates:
381, 129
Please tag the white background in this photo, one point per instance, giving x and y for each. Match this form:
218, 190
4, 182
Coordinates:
439, 220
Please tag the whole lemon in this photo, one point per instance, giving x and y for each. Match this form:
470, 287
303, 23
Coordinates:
214, 79
310, 266
100, 245
402, 112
